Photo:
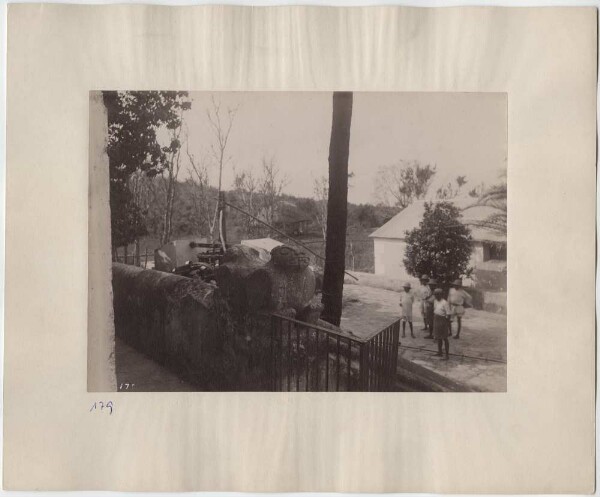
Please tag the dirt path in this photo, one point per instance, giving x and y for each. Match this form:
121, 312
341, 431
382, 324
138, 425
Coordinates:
368, 309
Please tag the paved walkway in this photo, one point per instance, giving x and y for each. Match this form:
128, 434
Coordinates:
368, 309
138, 373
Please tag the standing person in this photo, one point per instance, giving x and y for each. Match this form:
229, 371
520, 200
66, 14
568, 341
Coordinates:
458, 300
429, 306
441, 321
424, 294
406, 302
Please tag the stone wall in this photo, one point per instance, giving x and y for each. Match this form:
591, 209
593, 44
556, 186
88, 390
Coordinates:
183, 324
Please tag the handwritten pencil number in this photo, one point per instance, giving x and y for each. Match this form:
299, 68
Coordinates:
102, 407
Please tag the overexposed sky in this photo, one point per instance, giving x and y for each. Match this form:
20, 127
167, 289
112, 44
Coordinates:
462, 133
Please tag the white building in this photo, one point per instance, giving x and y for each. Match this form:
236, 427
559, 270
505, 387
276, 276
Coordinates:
489, 247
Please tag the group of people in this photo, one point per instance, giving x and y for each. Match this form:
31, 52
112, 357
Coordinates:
438, 313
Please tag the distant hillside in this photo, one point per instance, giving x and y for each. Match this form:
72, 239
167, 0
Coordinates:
296, 216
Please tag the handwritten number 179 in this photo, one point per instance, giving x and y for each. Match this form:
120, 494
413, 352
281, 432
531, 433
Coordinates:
100, 406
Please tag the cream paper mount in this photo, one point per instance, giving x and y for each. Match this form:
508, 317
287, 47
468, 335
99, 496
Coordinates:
536, 437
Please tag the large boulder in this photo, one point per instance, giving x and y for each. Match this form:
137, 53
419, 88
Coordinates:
285, 283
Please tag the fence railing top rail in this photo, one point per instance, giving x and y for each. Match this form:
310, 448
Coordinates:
372, 335
341, 333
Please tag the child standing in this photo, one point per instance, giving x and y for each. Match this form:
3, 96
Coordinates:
424, 294
406, 302
441, 321
458, 300
429, 306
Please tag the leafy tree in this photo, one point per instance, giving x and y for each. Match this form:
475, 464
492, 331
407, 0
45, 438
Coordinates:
402, 183
440, 246
134, 118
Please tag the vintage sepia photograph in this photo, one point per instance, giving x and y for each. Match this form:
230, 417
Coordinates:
307, 241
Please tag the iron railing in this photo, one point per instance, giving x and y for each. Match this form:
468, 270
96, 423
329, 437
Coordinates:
307, 357
145, 259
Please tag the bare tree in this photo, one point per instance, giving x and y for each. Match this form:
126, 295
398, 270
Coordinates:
272, 183
400, 184
221, 122
260, 196
169, 180
321, 193
202, 201
246, 187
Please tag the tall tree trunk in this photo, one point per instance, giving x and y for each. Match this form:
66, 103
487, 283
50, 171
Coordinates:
337, 208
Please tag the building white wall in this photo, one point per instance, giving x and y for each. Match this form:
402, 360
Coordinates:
389, 254
476, 254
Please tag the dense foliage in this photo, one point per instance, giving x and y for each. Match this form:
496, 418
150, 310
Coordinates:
134, 118
440, 246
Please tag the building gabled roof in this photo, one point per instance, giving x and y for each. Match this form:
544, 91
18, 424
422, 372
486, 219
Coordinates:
410, 217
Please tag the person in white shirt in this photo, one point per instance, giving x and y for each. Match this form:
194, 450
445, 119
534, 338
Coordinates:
424, 294
407, 299
441, 321
458, 300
